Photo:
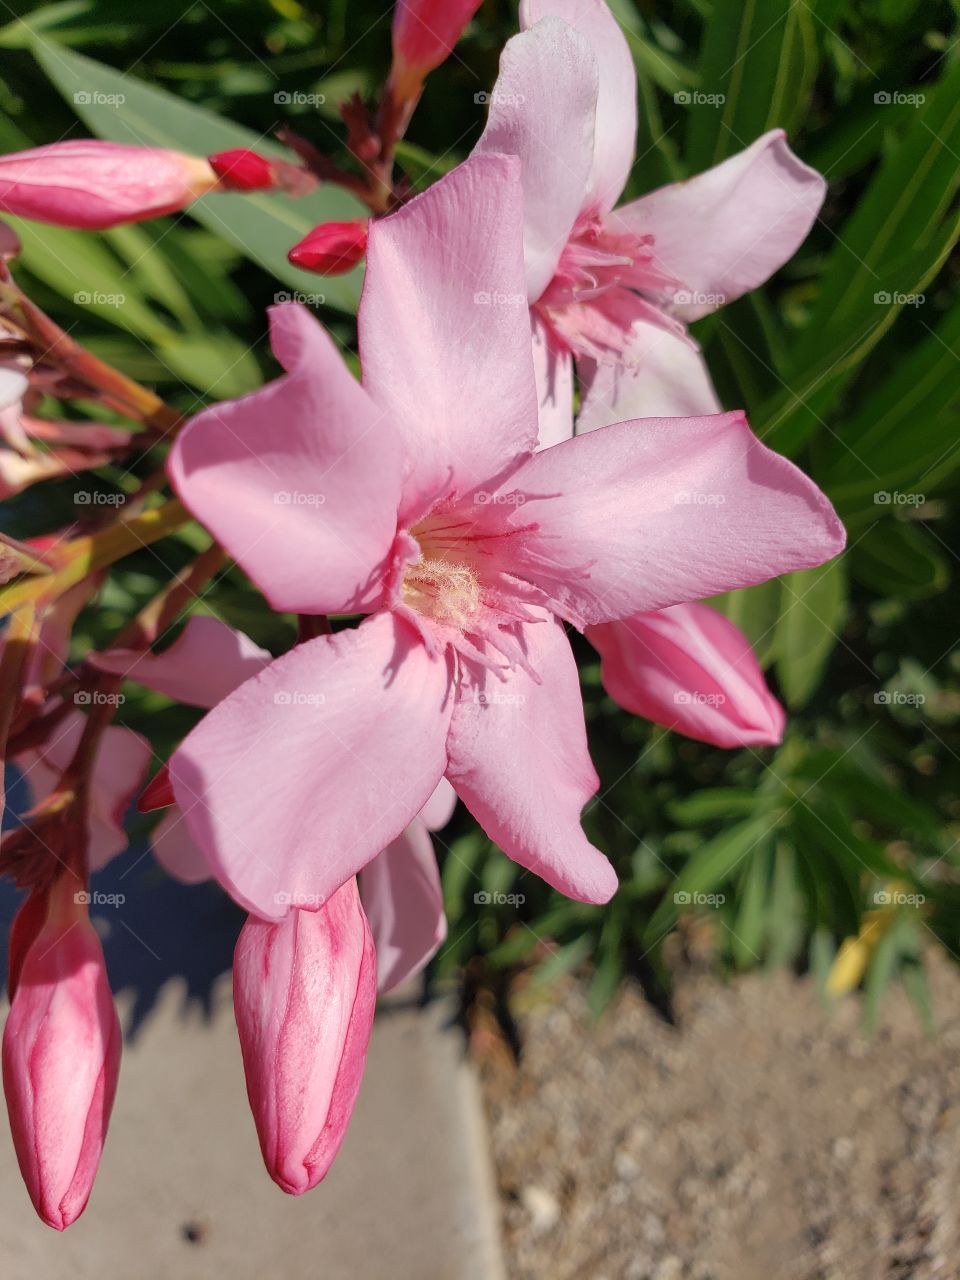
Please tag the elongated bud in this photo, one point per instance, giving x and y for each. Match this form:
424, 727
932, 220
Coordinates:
331, 248
94, 185
304, 992
692, 670
243, 170
61, 1052
424, 33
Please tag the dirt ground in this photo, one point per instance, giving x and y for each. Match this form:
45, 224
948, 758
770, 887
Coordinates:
755, 1139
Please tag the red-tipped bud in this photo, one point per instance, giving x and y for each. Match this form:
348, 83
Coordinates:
243, 170
304, 992
61, 1054
424, 33
94, 185
332, 248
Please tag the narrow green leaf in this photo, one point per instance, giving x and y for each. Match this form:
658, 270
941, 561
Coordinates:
813, 607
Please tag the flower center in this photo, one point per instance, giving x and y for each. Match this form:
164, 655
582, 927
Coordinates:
442, 589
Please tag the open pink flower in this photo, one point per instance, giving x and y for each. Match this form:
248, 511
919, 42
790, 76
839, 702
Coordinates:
418, 498
617, 285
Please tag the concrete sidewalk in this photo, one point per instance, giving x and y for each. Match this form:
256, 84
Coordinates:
182, 1193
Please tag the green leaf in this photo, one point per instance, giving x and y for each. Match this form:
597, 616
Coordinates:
813, 607
759, 58
898, 558
750, 923
711, 803
262, 226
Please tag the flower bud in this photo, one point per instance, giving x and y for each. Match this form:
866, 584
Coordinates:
692, 670
94, 185
61, 1052
304, 992
243, 170
424, 33
331, 248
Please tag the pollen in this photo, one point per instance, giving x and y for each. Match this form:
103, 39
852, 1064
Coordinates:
443, 590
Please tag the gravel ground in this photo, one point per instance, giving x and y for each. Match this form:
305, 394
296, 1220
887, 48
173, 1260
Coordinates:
755, 1139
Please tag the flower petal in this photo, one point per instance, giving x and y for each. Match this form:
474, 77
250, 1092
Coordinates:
300, 480
207, 661
727, 230
438, 810
542, 109
444, 329
616, 128
691, 669
519, 762
665, 377
403, 903
295, 781
554, 370
646, 514
177, 851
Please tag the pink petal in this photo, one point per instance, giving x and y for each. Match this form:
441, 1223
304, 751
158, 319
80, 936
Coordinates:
665, 377
616, 128
299, 480
519, 762
295, 781
727, 230
438, 810
645, 514
690, 669
207, 661
554, 370
542, 110
403, 902
177, 851
444, 330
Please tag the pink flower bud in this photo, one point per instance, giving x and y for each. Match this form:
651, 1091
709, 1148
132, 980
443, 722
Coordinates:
93, 185
424, 33
304, 992
61, 1053
332, 248
243, 170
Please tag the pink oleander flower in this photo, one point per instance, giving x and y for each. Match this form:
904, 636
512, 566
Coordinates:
424, 33
304, 993
61, 1051
401, 889
616, 285
418, 499
332, 248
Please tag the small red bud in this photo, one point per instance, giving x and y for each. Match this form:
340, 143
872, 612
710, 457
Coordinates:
332, 248
158, 793
242, 170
